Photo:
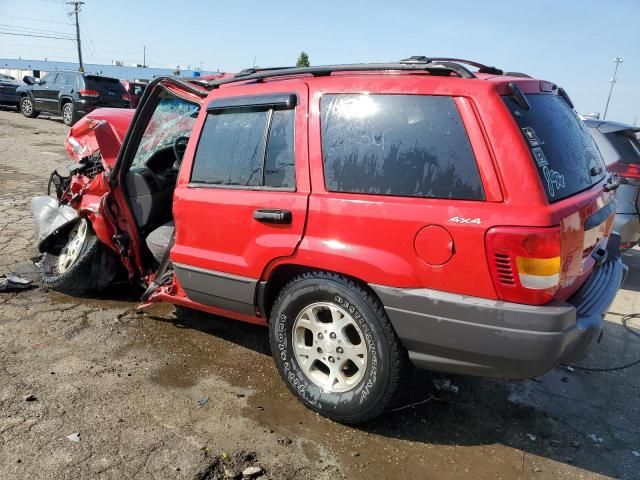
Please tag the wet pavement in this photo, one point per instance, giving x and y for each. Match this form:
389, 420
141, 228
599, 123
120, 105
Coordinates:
180, 394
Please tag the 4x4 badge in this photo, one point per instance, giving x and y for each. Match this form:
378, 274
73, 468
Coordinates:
465, 220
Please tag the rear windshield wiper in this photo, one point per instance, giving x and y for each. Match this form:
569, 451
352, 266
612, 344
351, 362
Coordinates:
518, 97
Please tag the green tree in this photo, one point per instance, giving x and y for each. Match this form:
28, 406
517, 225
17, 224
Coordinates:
303, 60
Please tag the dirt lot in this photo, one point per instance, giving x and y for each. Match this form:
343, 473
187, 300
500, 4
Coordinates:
130, 385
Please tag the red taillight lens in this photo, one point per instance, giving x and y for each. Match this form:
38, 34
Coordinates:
526, 263
89, 93
626, 170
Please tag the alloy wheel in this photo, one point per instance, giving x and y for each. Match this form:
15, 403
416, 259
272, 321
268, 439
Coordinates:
72, 249
329, 347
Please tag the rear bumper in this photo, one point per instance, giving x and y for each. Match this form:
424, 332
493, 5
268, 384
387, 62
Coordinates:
627, 225
469, 335
84, 106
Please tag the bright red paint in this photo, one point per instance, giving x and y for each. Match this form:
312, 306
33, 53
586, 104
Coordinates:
369, 237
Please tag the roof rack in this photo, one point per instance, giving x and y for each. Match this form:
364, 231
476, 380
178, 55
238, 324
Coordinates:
258, 75
446, 61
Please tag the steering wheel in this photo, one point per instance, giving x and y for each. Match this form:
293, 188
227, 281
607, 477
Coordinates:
179, 147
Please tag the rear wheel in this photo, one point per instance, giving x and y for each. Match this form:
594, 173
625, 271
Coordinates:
335, 348
81, 264
69, 115
28, 108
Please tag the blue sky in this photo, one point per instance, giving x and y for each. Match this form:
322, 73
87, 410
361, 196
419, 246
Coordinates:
570, 42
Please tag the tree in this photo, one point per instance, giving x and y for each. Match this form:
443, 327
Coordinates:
303, 60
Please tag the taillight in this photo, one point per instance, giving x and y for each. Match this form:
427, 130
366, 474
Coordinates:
526, 263
89, 93
626, 170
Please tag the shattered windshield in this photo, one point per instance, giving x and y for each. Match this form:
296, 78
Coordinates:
172, 118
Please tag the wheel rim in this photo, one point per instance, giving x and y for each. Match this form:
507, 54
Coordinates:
67, 113
329, 347
72, 249
26, 106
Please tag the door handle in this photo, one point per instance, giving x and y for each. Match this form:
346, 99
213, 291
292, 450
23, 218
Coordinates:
269, 215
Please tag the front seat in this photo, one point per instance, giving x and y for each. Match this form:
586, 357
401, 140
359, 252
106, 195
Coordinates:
158, 240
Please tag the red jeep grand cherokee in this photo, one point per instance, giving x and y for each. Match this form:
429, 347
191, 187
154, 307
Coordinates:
371, 215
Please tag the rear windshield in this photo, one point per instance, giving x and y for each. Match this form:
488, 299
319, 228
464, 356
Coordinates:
103, 83
567, 158
627, 146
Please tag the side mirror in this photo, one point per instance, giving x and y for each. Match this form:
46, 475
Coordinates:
29, 80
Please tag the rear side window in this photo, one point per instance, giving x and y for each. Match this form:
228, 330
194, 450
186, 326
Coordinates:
627, 146
246, 149
402, 145
566, 156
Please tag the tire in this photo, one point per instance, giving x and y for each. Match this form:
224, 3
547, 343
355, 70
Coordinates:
365, 349
69, 114
27, 107
90, 269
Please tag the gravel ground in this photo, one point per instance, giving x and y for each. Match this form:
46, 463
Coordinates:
162, 395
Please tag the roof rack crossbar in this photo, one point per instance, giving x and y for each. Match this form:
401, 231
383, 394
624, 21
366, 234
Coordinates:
446, 60
262, 74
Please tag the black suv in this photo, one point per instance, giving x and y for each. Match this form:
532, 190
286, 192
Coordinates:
70, 94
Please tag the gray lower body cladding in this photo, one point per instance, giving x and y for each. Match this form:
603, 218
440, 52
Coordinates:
469, 335
217, 289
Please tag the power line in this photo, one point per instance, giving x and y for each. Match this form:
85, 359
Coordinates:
35, 31
35, 36
35, 19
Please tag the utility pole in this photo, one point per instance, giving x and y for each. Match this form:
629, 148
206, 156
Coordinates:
76, 10
618, 61
144, 55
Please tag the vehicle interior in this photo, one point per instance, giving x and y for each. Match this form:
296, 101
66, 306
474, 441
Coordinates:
151, 178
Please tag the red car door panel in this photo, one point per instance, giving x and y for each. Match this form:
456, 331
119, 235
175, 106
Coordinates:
226, 235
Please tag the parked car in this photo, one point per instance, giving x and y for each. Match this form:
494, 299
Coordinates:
134, 91
8, 86
70, 94
620, 149
372, 215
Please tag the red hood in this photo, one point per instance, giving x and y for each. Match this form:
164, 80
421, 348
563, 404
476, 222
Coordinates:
81, 140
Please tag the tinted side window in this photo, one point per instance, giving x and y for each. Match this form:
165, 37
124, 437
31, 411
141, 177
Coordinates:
48, 79
231, 149
280, 164
247, 148
404, 145
627, 146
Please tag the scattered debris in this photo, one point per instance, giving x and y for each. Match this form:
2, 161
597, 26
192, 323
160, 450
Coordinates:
11, 283
536, 469
30, 398
430, 397
531, 437
251, 472
285, 441
355, 454
445, 385
595, 438
259, 408
203, 401
635, 454
569, 368
74, 437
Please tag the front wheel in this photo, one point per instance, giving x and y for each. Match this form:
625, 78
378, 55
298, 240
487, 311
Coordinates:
27, 108
80, 264
335, 348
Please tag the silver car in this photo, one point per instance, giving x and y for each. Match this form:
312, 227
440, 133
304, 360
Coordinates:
620, 148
